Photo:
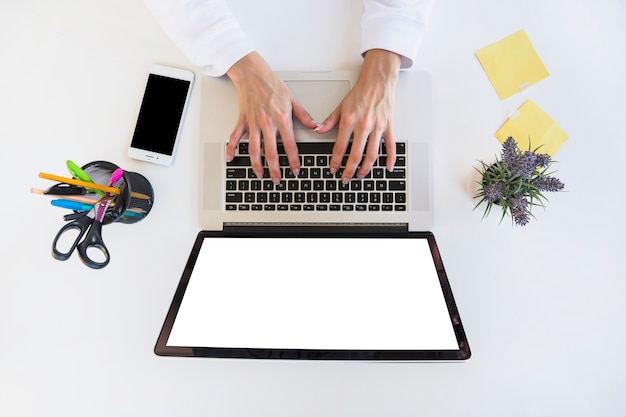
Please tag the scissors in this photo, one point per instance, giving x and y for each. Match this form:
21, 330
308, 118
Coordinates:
90, 226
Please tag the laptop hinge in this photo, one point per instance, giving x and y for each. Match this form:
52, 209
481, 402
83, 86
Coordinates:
316, 229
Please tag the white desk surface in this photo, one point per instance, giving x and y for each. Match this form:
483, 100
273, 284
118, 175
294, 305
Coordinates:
543, 306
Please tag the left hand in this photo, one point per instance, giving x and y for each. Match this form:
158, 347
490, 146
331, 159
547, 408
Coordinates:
366, 114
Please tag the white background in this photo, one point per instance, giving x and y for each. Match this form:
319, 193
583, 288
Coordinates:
543, 306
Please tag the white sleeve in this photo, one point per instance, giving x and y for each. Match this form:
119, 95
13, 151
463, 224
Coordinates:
395, 25
206, 31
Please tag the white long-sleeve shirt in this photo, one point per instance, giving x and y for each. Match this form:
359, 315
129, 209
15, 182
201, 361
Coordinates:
210, 36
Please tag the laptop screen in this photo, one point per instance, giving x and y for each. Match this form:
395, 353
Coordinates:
355, 297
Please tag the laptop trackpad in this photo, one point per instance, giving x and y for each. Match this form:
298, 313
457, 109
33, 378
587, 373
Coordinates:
318, 97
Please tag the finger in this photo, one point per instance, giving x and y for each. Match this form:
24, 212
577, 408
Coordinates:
303, 116
359, 141
254, 151
330, 122
371, 154
271, 154
291, 147
390, 148
341, 141
234, 139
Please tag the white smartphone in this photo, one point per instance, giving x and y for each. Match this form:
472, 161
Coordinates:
161, 115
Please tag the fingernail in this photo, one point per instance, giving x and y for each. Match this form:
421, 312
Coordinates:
345, 180
333, 171
296, 171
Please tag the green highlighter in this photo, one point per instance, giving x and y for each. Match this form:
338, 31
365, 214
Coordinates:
78, 173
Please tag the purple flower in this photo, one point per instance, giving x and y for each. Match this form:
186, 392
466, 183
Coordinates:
526, 165
493, 192
509, 152
519, 210
543, 160
548, 184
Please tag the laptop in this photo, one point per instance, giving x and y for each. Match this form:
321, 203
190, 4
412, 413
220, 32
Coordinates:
339, 273
222, 202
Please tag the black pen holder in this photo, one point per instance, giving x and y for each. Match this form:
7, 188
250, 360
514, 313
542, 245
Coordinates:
136, 196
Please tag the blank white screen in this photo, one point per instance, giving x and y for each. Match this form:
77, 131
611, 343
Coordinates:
314, 293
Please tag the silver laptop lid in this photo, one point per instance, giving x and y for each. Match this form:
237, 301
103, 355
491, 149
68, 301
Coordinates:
319, 93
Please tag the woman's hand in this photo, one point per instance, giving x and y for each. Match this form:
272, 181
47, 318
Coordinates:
366, 115
266, 107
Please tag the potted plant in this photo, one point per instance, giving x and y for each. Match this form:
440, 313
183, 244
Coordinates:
515, 182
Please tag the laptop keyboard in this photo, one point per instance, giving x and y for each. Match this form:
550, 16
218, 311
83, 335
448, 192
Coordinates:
316, 188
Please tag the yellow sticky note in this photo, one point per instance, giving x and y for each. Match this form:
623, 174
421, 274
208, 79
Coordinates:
512, 64
531, 123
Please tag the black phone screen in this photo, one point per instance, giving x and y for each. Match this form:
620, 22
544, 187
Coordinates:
160, 114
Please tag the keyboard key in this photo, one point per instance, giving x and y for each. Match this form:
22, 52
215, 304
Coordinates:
397, 185
239, 161
397, 173
400, 207
234, 197
231, 207
235, 173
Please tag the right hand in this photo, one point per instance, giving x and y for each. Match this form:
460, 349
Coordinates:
266, 107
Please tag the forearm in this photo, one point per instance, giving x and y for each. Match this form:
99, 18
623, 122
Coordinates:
395, 25
206, 31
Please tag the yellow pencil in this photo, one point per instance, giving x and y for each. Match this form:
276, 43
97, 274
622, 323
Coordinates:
90, 185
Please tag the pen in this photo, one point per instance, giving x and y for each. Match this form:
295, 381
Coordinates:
75, 205
78, 173
79, 198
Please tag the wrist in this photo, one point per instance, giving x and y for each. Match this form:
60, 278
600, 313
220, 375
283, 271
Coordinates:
382, 64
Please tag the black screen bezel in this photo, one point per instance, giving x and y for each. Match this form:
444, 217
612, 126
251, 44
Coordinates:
463, 353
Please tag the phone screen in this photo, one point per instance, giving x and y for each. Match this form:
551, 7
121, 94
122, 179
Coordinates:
160, 114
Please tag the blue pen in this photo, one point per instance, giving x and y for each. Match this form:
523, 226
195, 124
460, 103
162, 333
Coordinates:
74, 205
